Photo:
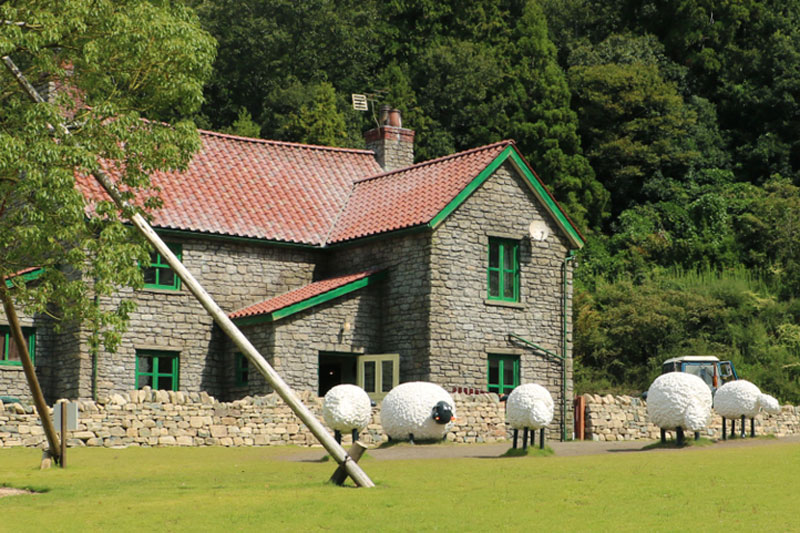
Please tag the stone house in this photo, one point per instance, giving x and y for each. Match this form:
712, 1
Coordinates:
340, 265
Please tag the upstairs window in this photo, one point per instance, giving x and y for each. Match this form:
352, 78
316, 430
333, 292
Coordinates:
503, 270
10, 352
159, 275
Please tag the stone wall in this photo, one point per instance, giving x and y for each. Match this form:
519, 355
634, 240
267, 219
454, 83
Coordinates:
162, 418
292, 345
404, 296
466, 326
610, 418
236, 275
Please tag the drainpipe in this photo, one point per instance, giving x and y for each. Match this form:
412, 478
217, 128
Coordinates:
564, 297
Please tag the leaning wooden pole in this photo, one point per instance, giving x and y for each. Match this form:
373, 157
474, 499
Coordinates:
30, 373
226, 324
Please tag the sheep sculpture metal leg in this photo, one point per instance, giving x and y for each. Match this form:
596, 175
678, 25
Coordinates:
541, 439
744, 428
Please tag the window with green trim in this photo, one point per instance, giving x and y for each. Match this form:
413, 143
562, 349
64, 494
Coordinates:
157, 370
10, 352
242, 370
503, 270
159, 275
503, 373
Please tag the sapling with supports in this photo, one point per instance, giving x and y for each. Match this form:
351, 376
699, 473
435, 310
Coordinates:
221, 318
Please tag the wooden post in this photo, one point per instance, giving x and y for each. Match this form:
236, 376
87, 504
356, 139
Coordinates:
355, 452
30, 373
580, 417
226, 324
63, 461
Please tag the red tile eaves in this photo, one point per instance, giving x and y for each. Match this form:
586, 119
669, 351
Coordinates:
299, 295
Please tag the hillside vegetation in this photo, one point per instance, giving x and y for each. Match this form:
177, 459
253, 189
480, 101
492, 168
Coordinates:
667, 130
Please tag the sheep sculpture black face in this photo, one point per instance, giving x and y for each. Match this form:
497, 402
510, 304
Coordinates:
417, 410
442, 413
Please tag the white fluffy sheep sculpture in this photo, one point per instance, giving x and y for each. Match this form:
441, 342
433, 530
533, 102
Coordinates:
417, 410
743, 399
529, 406
346, 408
679, 401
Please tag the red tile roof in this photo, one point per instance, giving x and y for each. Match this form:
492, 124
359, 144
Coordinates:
410, 196
304, 194
256, 188
299, 295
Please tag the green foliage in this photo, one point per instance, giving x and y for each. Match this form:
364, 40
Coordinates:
115, 64
625, 330
244, 125
272, 53
317, 119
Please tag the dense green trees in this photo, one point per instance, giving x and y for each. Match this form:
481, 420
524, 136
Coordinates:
668, 130
117, 62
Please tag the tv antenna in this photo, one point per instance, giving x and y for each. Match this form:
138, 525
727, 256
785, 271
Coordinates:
367, 101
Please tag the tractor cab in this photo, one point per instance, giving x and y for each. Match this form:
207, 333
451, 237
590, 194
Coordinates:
709, 368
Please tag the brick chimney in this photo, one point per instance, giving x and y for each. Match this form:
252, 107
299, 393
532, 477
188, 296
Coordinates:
392, 143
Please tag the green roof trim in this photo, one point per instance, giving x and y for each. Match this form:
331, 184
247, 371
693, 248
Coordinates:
28, 276
510, 153
312, 301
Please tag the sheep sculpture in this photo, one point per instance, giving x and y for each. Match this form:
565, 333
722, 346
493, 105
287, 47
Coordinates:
417, 410
346, 408
529, 406
742, 399
679, 401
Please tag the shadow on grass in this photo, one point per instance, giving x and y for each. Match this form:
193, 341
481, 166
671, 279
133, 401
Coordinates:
328, 459
675, 445
405, 443
530, 452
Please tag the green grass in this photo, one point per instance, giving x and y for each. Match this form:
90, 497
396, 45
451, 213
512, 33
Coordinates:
255, 489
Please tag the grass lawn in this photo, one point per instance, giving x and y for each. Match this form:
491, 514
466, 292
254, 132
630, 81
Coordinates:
255, 489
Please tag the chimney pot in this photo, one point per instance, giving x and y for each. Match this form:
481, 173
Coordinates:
395, 119
392, 144
384, 116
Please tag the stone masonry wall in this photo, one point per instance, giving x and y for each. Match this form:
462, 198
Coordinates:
236, 275
161, 418
610, 418
466, 326
404, 295
292, 345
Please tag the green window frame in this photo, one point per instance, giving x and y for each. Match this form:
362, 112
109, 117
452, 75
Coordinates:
241, 370
9, 354
158, 370
159, 275
502, 373
502, 273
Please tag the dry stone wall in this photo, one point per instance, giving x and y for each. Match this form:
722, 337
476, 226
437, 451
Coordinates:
162, 418
611, 418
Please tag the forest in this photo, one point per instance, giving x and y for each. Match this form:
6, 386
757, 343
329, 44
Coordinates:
667, 130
